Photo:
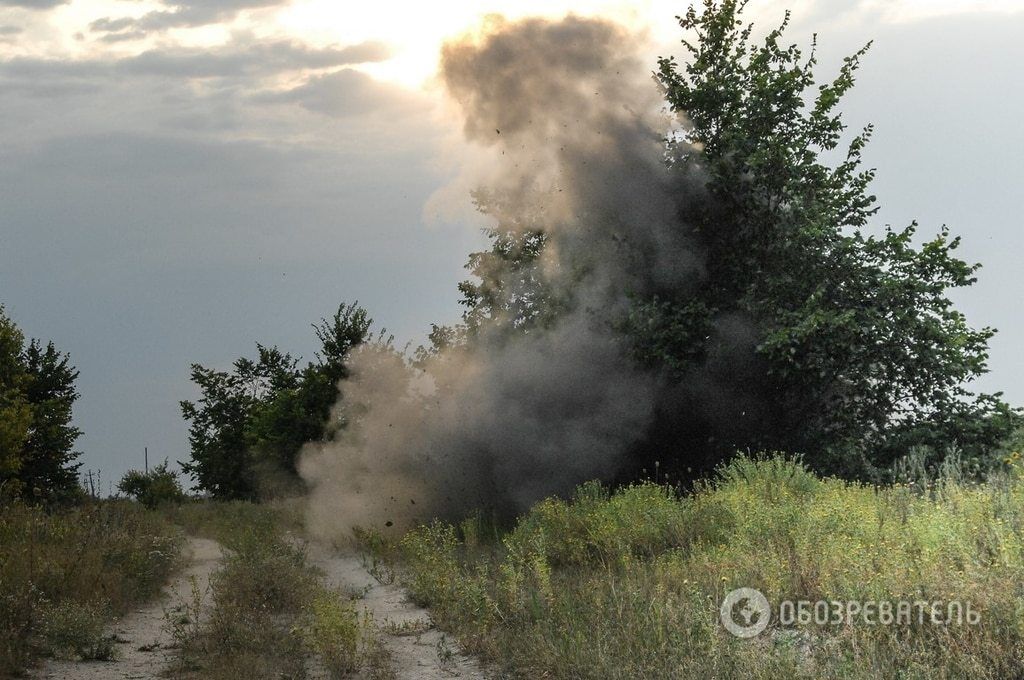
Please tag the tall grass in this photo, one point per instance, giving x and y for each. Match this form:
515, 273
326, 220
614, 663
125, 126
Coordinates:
628, 584
64, 574
225, 521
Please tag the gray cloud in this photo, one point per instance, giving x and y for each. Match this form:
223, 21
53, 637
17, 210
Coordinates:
257, 58
225, 94
108, 24
340, 94
242, 58
33, 4
124, 36
37, 68
180, 15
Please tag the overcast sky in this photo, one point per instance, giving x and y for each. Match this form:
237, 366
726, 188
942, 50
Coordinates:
178, 181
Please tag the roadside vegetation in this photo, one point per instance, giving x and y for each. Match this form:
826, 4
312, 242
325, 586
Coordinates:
269, 614
628, 583
249, 424
64, 574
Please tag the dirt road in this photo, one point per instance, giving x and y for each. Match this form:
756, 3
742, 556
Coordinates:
419, 650
144, 644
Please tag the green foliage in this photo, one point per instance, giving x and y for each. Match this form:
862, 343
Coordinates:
64, 574
628, 583
509, 290
250, 423
507, 293
157, 487
332, 629
15, 412
37, 394
861, 353
226, 521
640, 520
49, 472
222, 461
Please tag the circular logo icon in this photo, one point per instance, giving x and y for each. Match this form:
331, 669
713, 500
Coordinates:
745, 612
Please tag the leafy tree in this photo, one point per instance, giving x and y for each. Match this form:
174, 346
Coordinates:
159, 486
859, 348
281, 425
49, 471
15, 413
509, 289
249, 425
37, 394
222, 461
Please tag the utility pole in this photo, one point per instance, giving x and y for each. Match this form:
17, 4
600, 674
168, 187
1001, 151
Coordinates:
146, 454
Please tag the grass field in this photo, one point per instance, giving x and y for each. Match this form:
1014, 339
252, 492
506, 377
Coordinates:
629, 584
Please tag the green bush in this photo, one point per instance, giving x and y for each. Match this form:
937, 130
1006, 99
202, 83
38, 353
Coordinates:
332, 629
159, 486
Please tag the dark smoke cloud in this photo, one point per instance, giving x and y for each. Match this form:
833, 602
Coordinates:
577, 133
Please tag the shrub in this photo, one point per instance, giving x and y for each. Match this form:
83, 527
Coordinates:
159, 486
76, 630
331, 629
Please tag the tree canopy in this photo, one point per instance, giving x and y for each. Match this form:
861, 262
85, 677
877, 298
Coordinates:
37, 437
247, 428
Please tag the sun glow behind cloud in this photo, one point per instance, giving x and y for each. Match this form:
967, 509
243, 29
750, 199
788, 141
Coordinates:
417, 31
